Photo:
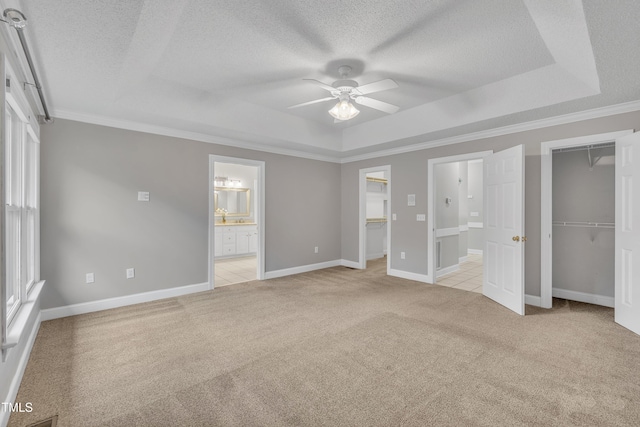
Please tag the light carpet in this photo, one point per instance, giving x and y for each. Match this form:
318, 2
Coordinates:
334, 347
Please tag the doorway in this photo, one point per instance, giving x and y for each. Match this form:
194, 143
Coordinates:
374, 213
626, 290
236, 220
569, 234
459, 226
503, 224
455, 220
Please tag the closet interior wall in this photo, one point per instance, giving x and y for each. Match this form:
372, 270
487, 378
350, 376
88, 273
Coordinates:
583, 222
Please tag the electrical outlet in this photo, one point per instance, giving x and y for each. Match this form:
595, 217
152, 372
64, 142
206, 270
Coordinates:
315, 249
394, 217
420, 217
90, 278
402, 255
131, 273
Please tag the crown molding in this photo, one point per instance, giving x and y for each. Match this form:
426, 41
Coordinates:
195, 136
595, 113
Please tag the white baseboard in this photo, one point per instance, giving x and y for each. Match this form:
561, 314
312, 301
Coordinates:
375, 256
532, 300
302, 269
447, 270
22, 365
411, 276
350, 264
105, 304
474, 251
463, 259
584, 297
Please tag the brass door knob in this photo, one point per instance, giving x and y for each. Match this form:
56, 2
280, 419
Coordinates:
516, 238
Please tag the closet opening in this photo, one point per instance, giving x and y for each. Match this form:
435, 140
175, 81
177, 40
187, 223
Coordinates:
583, 223
375, 208
376, 226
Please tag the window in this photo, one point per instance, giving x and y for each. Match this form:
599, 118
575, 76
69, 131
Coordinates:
21, 206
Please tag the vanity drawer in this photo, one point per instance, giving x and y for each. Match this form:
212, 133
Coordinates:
228, 238
229, 249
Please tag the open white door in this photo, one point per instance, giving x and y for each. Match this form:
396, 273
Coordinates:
504, 225
627, 276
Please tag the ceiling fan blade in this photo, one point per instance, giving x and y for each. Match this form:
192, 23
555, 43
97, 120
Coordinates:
312, 102
378, 105
322, 85
378, 86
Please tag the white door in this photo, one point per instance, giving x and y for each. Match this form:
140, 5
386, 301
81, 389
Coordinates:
627, 276
503, 255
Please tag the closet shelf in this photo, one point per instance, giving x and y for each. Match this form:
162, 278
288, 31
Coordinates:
375, 220
375, 179
584, 224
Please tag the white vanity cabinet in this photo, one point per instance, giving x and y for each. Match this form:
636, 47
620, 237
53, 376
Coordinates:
233, 240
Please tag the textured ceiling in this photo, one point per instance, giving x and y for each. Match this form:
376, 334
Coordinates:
230, 69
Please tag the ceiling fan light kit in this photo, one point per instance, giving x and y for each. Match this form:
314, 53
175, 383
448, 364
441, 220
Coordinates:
346, 90
344, 110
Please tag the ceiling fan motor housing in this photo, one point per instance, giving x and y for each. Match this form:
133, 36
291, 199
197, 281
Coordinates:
345, 85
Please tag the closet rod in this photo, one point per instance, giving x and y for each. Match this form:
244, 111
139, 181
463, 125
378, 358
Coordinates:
584, 224
585, 147
17, 20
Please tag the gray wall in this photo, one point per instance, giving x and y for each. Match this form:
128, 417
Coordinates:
409, 175
447, 216
476, 235
91, 221
583, 258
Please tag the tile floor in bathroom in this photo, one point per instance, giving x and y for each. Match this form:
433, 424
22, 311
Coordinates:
467, 278
235, 270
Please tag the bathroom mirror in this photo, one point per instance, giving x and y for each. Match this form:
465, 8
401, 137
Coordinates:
236, 201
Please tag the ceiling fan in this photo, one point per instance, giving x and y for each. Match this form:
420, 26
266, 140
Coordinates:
346, 90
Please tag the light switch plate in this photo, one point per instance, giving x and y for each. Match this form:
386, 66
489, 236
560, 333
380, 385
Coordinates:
421, 217
394, 217
402, 255
143, 196
90, 278
411, 200
131, 273
474, 214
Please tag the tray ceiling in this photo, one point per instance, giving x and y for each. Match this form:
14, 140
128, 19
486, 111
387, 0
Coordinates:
229, 70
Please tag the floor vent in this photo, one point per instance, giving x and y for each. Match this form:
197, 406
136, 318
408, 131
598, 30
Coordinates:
49, 422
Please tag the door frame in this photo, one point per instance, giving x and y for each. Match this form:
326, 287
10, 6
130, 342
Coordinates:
260, 220
362, 214
431, 186
546, 203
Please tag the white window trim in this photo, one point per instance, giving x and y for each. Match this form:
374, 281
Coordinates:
14, 321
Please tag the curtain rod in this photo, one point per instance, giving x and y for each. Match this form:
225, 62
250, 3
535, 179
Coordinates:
17, 20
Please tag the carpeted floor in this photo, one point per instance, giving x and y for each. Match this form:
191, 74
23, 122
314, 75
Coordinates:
334, 347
